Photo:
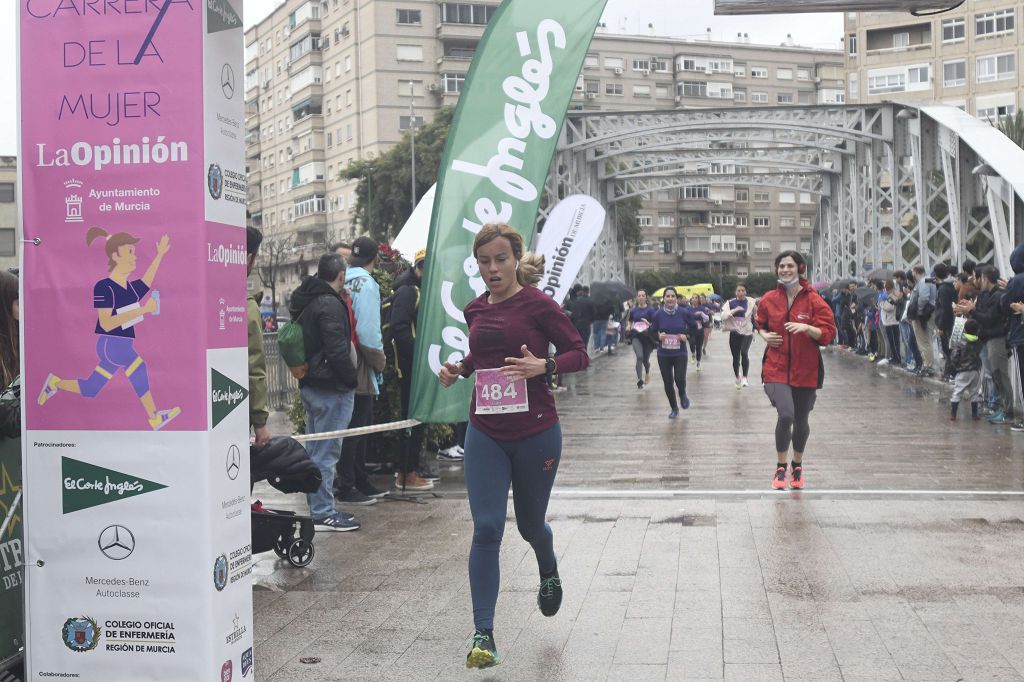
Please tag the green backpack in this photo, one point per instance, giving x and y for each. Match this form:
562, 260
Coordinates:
292, 346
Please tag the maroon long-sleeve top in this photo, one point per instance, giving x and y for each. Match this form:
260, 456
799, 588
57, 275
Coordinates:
498, 331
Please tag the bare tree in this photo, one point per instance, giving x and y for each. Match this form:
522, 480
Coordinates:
275, 252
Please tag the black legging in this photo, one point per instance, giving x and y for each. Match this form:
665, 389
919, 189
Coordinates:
794, 406
673, 371
739, 344
892, 340
696, 340
642, 350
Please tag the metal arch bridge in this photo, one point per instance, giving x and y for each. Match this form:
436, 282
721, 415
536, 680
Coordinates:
897, 184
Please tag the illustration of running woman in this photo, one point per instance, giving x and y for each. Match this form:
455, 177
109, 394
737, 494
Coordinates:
119, 305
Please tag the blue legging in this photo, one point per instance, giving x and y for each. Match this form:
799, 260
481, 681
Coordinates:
529, 466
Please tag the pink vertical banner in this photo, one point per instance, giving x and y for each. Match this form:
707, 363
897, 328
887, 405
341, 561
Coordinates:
112, 159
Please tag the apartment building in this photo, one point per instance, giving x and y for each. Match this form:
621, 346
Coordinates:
329, 82
9, 238
966, 57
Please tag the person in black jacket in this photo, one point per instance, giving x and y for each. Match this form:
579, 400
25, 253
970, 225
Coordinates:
1012, 305
945, 297
328, 389
582, 312
404, 309
992, 332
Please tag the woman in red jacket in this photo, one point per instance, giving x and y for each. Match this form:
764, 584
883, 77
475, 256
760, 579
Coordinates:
794, 321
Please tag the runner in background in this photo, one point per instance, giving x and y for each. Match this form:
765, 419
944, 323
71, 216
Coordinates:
710, 309
738, 315
673, 324
638, 327
696, 339
794, 320
514, 438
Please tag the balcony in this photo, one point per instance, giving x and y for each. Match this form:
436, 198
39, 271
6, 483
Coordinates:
705, 257
460, 31
314, 153
310, 224
313, 123
253, 147
254, 177
311, 58
310, 91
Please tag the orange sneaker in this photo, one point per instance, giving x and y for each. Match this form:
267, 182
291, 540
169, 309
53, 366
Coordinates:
796, 477
779, 479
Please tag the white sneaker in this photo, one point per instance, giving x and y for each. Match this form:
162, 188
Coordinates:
745, 382
451, 454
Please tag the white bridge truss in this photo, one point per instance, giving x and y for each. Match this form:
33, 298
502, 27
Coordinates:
896, 185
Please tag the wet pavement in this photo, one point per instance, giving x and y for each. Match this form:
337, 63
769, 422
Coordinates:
903, 558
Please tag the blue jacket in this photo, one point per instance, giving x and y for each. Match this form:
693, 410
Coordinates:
1014, 293
365, 293
681, 321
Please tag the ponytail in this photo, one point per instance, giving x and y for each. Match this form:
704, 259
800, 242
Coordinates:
93, 233
531, 269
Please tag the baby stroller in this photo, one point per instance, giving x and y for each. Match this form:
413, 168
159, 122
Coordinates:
284, 464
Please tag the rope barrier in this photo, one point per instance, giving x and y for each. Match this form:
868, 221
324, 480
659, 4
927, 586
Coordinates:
360, 431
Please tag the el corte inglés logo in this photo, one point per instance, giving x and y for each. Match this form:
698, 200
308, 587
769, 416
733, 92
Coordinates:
86, 485
225, 395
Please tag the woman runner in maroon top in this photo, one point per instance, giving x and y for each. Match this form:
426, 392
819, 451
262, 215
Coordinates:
513, 438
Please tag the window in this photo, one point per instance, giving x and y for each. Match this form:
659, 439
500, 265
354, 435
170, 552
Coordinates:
784, 74
613, 62
900, 40
696, 192
762, 221
805, 223
739, 71
805, 198
894, 82
758, 72
742, 246
852, 81
453, 82
641, 64
348, 61
742, 195
993, 23
613, 88
659, 65
739, 96
666, 221
466, 13
688, 64
742, 221
408, 53
641, 91
7, 242
692, 89
787, 222
803, 74
995, 67
918, 75
722, 219
784, 97
698, 243
409, 17
404, 122
309, 205
644, 221
953, 30
661, 90
851, 44
805, 97
762, 246
787, 197
645, 247
6, 192
995, 113
805, 245
954, 74
592, 86
310, 43
666, 246
759, 97
787, 246
762, 197
348, 131
591, 62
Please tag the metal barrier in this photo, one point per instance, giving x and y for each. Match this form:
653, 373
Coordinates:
281, 385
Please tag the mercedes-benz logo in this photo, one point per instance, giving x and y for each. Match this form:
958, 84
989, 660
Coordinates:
116, 542
233, 462
227, 81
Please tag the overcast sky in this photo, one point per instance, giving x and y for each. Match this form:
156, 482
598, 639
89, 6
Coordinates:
668, 17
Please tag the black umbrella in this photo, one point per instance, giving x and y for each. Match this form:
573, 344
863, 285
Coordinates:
609, 296
879, 273
865, 295
842, 283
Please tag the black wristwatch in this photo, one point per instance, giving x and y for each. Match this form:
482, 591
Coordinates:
549, 367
